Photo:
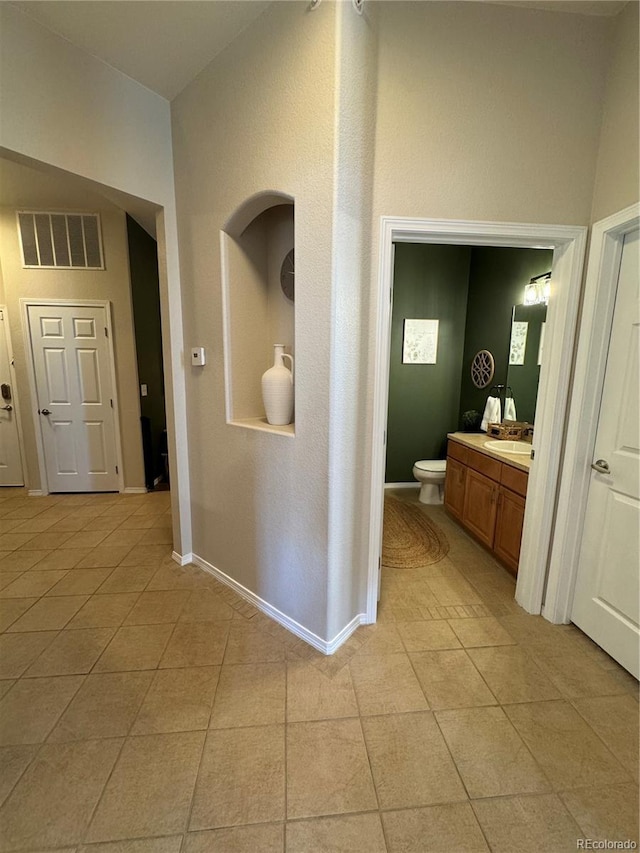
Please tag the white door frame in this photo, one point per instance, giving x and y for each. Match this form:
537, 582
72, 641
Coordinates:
601, 286
25, 304
15, 399
568, 244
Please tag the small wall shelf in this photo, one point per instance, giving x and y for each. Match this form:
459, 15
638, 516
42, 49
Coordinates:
258, 310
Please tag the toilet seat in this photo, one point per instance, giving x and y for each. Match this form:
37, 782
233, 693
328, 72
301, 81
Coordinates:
433, 466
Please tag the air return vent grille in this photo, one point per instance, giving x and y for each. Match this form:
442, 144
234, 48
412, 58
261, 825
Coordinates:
60, 240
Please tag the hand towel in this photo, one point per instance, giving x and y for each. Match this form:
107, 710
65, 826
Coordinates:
492, 413
510, 409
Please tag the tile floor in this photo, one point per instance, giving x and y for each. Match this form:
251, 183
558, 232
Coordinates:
144, 708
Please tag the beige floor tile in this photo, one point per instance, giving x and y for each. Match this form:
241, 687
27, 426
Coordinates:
12, 608
72, 652
146, 555
606, 813
178, 577
86, 539
104, 556
104, 611
17, 651
7, 579
410, 761
47, 541
14, 760
337, 834
5, 686
178, 700
489, 754
31, 584
62, 559
453, 591
168, 844
341, 778
105, 706
135, 647
127, 579
241, 779
383, 639
250, 695
157, 536
386, 684
566, 748
71, 524
49, 614
196, 644
449, 828
450, 680
150, 789
250, 645
526, 629
33, 706
80, 582
120, 538
527, 824
13, 541
481, 632
52, 803
20, 561
425, 636
265, 838
511, 674
573, 673
157, 607
312, 695
206, 606
102, 522
616, 720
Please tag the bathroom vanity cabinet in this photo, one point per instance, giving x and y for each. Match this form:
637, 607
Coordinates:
487, 496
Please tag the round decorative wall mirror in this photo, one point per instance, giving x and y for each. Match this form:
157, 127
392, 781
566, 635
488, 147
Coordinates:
482, 368
287, 275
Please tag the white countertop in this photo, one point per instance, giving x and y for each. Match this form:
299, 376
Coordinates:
477, 441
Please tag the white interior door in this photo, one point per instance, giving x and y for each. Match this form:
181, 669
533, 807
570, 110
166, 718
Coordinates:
10, 461
72, 367
607, 595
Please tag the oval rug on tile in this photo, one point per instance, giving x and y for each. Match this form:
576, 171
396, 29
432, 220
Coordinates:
409, 539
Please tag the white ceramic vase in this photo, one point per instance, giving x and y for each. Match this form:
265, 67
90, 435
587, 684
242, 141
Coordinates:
277, 389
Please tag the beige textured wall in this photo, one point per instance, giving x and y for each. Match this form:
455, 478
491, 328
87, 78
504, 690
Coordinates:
112, 284
617, 177
260, 117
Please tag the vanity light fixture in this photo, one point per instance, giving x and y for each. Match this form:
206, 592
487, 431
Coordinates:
538, 290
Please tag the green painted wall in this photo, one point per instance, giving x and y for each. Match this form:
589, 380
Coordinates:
497, 278
430, 282
145, 296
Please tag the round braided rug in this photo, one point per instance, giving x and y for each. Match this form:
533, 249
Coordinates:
410, 540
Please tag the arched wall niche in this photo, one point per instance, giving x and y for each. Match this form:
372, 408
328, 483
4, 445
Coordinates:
255, 241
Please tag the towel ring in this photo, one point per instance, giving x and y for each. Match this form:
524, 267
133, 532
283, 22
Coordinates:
482, 368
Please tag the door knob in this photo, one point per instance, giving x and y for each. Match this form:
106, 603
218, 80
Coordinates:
45, 412
601, 466
7, 408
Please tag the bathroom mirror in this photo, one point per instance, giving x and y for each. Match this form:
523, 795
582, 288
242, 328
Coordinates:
525, 357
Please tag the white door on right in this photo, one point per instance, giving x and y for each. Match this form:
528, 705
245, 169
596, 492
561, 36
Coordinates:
607, 596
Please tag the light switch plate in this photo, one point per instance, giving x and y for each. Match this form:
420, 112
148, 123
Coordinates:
198, 356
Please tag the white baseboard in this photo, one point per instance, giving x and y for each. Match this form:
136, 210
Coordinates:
36, 493
182, 559
135, 490
414, 485
327, 647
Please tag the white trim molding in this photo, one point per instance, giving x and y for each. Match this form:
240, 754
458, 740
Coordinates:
135, 490
327, 647
601, 285
568, 244
181, 559
415, 485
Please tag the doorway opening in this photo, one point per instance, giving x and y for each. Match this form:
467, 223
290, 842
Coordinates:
567, 245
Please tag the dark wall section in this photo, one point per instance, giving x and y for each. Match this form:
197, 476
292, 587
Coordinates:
145, 294
430, 282
497, 278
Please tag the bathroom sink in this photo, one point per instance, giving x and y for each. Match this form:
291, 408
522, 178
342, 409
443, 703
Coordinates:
521, 447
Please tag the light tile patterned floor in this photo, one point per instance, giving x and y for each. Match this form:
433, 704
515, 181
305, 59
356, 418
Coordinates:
144, 708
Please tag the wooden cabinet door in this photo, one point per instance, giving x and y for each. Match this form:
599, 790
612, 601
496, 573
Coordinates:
509, 529
454, 483
480, 506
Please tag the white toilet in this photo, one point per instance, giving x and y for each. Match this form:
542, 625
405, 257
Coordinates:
430, 473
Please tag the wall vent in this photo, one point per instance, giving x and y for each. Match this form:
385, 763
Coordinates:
60, 240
